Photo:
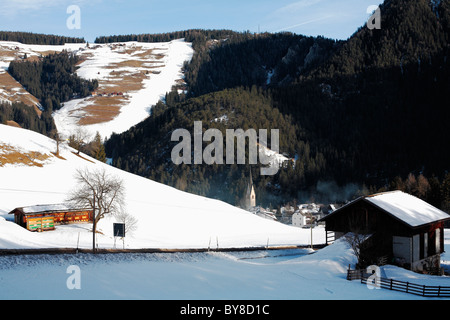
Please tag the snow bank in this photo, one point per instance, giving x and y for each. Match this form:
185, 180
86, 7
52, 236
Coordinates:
205, 276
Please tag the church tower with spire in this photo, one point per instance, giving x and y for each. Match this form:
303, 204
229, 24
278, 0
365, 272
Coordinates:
250, 196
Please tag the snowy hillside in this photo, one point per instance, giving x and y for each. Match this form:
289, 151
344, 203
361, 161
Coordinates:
167, 218
31, 174
132, 77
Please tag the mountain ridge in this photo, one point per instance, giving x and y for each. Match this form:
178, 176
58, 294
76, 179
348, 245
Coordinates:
362, 112
361, 108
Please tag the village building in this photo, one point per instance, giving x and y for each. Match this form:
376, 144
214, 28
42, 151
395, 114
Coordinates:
301, 220
46, 217
286, 214
397, 228
264, 213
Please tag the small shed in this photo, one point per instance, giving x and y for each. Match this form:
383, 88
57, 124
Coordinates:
400, 229
45, 217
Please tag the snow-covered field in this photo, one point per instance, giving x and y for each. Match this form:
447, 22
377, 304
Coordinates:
263, 275
167, 218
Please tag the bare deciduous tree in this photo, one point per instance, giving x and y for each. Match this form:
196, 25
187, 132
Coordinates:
58, 139
129, 221
356, 241
100, 192
79, 139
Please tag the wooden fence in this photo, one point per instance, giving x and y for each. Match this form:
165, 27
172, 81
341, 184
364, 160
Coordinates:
401, 286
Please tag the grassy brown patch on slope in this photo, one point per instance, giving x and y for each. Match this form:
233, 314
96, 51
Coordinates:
10, 155
13, 91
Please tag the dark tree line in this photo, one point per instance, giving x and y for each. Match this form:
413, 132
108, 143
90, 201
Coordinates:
34, 38
26, 117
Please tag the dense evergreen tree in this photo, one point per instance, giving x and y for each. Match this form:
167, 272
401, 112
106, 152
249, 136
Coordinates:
98, 149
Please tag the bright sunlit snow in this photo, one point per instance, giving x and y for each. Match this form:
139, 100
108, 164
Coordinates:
168, 218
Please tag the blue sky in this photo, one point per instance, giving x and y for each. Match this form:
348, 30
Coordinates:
330, 18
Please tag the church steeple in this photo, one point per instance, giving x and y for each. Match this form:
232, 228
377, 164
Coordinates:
250, 196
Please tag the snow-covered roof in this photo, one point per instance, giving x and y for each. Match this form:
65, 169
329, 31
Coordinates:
49, 208
407, 208
403, 206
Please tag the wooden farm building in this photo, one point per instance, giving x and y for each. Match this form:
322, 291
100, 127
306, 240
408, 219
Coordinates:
398, 229
45, 217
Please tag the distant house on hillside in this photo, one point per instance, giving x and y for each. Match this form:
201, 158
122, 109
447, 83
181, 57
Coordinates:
45, 217
301, 220
306, 216
263, 213
399, 228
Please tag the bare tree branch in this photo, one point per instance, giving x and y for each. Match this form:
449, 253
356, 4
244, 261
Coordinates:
130, 221
97, 190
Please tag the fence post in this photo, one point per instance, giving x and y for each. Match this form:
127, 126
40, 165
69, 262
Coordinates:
407, 284
423, 292
390, 288
439, 291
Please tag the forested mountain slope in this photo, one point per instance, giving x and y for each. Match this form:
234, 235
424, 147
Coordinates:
364, 111
378, 107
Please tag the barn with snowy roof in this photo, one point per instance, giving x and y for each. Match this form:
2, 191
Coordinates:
398, 229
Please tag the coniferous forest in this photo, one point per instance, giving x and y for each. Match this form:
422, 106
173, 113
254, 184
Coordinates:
364, 113
52, 79
34, 38
26, 117
358, 116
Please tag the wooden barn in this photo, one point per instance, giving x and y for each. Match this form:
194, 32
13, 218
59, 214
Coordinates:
45, 217
399, 229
